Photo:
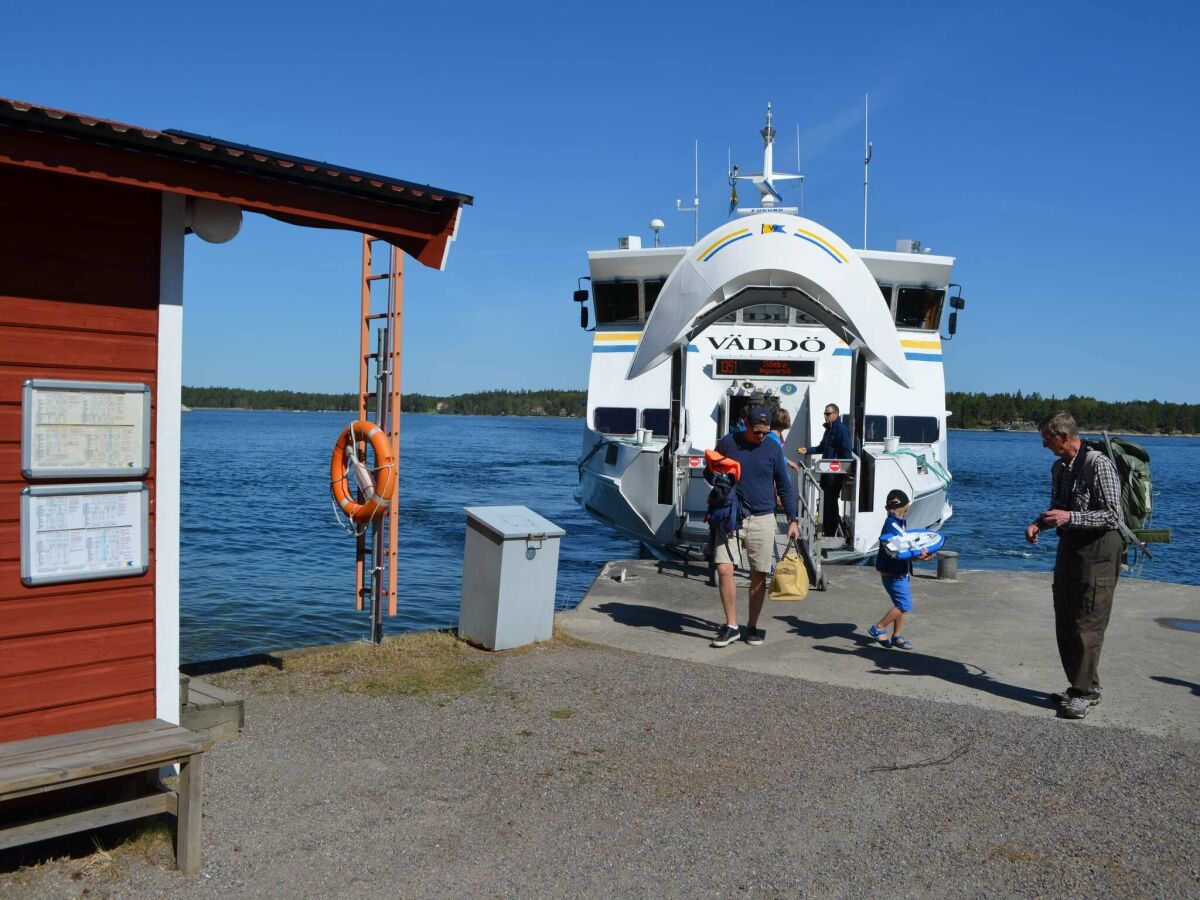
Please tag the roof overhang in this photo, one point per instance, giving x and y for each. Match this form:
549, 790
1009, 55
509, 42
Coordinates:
419, 219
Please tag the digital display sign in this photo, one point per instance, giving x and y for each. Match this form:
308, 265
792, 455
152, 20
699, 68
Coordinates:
765, 368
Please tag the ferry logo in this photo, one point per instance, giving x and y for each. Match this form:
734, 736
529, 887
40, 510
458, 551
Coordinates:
773, 229
779, 345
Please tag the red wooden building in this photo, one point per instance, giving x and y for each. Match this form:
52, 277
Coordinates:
93, 218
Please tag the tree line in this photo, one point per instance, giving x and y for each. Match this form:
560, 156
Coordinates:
483, 403
1026, 410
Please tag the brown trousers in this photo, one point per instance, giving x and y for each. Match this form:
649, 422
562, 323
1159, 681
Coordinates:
1085, 578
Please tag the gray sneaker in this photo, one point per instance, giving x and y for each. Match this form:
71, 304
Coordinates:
726, 635
1076, 708
1063, 697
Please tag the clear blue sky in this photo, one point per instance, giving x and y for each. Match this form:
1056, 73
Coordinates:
1049, 147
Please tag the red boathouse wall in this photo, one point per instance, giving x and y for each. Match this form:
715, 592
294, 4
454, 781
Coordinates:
79, 291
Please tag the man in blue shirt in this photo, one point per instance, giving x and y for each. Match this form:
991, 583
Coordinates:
835, 444
764, 476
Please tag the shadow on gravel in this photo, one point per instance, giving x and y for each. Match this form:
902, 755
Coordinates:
663, 619
1177, 682
909, 662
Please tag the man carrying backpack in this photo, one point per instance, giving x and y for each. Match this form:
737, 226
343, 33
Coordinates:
1085, 507
763, 475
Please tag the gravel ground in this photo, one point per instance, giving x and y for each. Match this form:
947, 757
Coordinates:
592, 772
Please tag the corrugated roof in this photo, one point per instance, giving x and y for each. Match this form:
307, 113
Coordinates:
227, 154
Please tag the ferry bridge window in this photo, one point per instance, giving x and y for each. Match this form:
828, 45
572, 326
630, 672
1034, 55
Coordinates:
615, 301
766, 314
874, 428
615, 419
652, 287
919, 307
886, 290
657, 420
916, 429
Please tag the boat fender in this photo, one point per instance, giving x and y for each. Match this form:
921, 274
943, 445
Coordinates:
376, 487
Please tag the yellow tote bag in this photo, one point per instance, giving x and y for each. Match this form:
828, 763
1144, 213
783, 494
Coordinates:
790, 581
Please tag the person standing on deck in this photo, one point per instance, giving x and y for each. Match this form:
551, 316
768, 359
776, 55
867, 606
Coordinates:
1085, 508
764, 475
835, 444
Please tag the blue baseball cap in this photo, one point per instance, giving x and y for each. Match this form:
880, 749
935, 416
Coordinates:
758, 415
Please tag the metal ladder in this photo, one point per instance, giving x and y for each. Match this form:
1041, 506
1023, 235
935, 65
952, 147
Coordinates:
375, 560
808, 501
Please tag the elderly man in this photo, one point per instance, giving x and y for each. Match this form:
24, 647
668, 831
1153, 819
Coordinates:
764, 474
835, 444
1085, 508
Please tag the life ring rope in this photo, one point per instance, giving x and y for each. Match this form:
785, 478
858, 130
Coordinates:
376, 485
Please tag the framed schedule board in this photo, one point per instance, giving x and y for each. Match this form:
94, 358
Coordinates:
79, 532
85, 429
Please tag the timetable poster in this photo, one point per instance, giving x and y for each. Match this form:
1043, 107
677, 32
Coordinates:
81, 532
86, 429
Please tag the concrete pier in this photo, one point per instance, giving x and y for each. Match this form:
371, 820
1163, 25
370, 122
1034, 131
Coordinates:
985, 639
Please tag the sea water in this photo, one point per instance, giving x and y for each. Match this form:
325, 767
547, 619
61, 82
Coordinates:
265, 565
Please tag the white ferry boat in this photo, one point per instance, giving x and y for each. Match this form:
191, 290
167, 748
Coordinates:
768, 308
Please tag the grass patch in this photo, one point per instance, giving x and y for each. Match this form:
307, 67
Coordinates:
432, 665
563, 638
561, 713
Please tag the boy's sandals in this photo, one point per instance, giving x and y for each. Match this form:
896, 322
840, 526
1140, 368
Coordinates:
878, 634
900, 642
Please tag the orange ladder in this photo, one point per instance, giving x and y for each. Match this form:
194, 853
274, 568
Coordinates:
379, 578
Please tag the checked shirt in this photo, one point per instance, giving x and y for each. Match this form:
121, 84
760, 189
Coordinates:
1088, 487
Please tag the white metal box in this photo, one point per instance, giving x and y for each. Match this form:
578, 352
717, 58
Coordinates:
510, 575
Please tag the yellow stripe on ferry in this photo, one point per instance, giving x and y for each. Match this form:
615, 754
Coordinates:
923, 345
824, 243
624, 337
721, 241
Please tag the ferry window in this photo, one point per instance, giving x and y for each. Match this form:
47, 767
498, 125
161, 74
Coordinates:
615, 301
886, 290
652, 288
875, 428
916, 429
657, 420
919, 307
766, 314
615, 419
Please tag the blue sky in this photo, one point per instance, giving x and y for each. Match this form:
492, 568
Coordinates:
1048, 147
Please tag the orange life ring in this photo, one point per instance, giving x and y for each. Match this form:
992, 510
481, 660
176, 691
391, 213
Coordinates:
377, 496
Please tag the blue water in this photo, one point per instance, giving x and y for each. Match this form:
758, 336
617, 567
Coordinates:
265, 567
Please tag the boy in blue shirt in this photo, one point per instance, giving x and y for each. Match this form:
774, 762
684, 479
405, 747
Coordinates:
896, 575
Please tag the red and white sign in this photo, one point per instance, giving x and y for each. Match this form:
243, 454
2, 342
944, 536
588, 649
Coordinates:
835, 466
695, 462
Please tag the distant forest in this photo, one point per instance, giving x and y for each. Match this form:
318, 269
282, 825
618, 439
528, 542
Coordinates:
1026, 410
485, 403
969, 410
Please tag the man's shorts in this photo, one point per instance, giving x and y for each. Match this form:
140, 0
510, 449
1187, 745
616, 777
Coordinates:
753, 545
897, 588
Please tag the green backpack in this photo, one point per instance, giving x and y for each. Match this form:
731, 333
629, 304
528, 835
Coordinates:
1133, 468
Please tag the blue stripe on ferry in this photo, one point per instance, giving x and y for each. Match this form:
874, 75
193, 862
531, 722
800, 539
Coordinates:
928, 357
724, 245
843, 351
832, 255
629, 348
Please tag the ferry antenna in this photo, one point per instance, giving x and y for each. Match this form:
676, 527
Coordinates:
866, 159
695, 207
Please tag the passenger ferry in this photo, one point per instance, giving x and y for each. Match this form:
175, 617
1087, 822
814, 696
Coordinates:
768, 308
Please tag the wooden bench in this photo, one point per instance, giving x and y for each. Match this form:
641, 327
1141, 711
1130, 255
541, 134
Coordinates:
41, 765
